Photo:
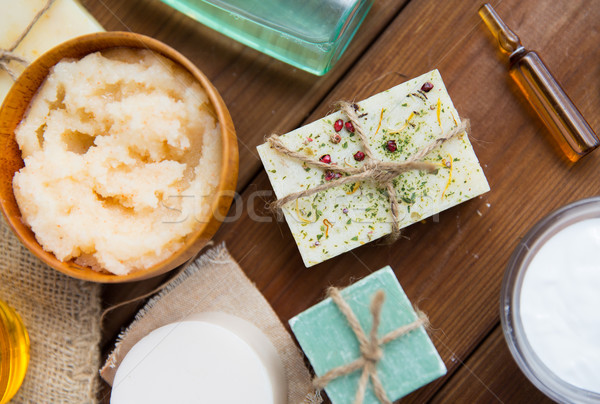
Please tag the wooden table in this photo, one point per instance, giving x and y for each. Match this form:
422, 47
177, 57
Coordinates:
452, 268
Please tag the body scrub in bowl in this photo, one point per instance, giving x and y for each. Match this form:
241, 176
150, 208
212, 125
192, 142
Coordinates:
111, 144
125, 158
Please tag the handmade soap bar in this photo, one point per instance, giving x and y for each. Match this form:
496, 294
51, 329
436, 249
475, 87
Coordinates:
398, 123
209, 358
65, 19
407, 363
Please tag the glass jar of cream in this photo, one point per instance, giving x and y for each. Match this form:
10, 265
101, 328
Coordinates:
550, 303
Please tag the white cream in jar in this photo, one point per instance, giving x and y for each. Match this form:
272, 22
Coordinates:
560, 304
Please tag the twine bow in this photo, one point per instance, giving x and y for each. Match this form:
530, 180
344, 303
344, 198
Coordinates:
370, 347
381, 172
8, 55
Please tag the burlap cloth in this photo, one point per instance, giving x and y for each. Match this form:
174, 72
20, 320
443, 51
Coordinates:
215, 282
62, 316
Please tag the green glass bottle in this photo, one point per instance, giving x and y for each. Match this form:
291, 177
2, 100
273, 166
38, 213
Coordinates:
308, 34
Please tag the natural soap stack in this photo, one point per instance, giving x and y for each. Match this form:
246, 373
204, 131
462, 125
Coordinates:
406, 362
399, 124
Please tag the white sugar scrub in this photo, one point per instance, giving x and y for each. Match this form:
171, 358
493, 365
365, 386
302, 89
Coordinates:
122, 152
560, 304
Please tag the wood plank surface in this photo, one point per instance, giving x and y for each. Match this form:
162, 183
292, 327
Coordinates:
263, 95
452, 268
490, 375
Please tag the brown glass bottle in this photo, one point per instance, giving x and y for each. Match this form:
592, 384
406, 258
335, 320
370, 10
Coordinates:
564, 121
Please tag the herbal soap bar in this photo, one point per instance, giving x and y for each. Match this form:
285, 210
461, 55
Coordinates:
407, 362
65, 19
398, 123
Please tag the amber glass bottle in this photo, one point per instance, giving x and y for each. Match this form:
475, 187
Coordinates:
564, 121
14, 352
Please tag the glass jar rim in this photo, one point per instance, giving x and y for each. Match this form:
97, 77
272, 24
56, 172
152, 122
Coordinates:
527, 360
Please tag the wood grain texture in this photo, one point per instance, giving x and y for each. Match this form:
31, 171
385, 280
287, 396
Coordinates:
490, 375
263, 95
452, 268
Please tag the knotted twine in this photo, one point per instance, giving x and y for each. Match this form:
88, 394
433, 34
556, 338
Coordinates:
8, 55
370, 347
378, 171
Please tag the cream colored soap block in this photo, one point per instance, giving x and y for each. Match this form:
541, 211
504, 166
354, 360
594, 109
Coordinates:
64, 20
344, 217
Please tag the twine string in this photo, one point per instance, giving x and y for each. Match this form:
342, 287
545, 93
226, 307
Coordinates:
381, 172
350, 112
7, 55
371, 350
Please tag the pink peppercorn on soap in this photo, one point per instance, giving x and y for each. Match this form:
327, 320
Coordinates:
405, 363
398, 123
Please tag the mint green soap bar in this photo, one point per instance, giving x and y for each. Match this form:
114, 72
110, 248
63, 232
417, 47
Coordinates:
408, 362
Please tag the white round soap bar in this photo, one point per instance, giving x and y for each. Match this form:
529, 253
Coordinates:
209, 358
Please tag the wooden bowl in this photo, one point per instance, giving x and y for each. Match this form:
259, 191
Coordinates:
15, 105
